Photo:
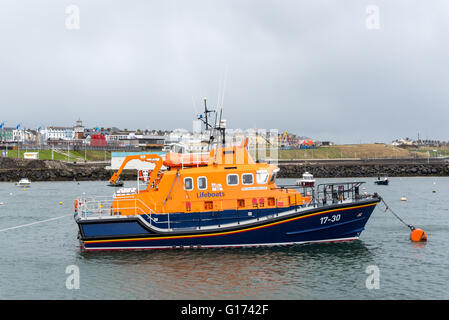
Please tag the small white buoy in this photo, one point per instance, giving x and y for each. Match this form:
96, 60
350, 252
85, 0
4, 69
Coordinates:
403, 199
1, 203
10, 193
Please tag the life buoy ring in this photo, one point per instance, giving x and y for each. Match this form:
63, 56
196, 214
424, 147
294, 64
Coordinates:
144, 175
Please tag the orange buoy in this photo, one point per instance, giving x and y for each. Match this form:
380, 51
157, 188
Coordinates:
418, 235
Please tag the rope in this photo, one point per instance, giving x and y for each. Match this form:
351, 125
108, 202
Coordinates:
388, 208
30, 224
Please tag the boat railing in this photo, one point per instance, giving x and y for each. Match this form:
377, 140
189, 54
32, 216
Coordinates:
332, 193
104, 206
250, 208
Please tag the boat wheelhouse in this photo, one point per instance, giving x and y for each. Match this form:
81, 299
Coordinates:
307, 180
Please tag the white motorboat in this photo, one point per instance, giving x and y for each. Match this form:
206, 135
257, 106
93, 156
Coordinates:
306, 181
24, 182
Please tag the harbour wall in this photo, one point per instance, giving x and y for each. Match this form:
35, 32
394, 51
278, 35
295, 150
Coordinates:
363, 169
12, 170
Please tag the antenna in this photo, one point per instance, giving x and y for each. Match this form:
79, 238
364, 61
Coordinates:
194, 105
221, 98
206, 112
218, 125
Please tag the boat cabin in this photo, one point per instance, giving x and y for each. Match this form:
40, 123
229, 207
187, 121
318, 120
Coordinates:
224, 179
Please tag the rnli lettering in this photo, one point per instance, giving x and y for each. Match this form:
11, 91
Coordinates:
198, 310
209, 194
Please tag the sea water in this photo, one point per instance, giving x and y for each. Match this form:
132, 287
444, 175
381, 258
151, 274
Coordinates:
41, 257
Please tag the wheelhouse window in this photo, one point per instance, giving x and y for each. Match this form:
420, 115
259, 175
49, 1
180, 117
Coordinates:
188, 184
247, 178
233, 179
202, 183
273, 175
262, 176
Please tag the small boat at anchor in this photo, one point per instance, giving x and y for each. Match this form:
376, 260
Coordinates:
24, 182
307, 180
382, 180
230, 200
118, 183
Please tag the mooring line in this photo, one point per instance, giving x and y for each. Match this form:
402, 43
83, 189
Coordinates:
30, 224
399, 218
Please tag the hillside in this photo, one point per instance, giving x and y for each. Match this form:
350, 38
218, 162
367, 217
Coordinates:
362, 151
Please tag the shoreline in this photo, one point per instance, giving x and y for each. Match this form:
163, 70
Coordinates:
12, 170
365, 170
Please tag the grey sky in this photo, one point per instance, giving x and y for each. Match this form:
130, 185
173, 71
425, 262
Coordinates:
309, 67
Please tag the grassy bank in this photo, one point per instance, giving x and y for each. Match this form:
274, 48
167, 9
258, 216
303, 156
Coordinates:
349, 151
363, 151
62, 155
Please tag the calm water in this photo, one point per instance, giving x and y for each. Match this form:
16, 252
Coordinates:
34, 258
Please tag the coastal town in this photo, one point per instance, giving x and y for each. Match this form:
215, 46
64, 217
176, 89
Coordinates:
78, 138
81, 153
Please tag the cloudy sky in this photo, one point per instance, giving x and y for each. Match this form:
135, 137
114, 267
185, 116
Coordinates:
331, 70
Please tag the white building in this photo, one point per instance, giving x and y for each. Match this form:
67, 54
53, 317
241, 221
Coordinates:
58, 133
78, 130
24, 135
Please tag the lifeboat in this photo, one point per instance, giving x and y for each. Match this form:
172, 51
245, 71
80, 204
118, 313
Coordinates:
222, 203
220, 199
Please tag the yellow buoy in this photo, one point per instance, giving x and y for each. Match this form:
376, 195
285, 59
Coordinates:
60, 202
24, 189
418, 235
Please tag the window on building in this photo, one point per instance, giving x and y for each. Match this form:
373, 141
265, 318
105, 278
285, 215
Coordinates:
233, 179
188, 184
247, 178
202, 183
